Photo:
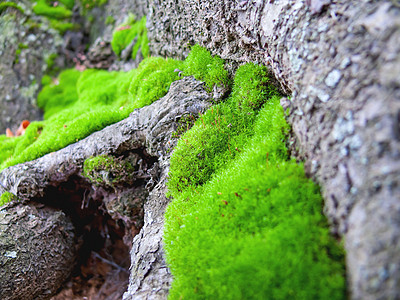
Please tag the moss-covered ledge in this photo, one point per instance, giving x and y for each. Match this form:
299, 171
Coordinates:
147, 131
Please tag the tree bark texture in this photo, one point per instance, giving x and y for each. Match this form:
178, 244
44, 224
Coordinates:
151, 128
339, 61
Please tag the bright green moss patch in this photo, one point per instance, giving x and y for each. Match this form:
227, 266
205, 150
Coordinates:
89, 4
245, 222
62, 26
222, 132
76, 104
7, 4
202, 65
148, 82
125, 33
68, 3
108, 170
45, 8
18, 51
59, 95
7, 197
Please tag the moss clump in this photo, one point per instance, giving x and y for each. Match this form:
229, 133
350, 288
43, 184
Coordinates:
7, 197
245, 222
76, 104
107, 170
62, 26
125, 33
222, 132
184, 124
45, 8
152, 73
7, 4
203, 66
68, 3
90, 4
110, 20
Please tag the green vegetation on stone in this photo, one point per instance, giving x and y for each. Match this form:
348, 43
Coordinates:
50, 61
45, 8
68, 3
110, 20
6, 4
222, 132
7, 197
245, 222
62, 26
18, 51
108, 171
202, 65
77, 104
90, 4
127, 32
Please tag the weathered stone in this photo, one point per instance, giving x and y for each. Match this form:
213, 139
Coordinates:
338, 60
149, 128
37, 251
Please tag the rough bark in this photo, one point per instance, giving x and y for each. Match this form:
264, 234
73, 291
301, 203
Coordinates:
151, 128
340, 62
37, 251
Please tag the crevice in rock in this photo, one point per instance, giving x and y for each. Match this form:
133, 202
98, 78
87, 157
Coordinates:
106, 218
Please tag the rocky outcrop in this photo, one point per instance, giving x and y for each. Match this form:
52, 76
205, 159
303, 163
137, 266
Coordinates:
147, 130
339, 61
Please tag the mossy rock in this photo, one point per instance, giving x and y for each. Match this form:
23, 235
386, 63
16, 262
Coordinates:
253, 218
109, 171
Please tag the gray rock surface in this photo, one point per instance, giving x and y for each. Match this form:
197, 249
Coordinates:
37, 251
24, 49
340, 62
149, 128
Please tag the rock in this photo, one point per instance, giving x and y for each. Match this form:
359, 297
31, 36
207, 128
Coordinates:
338, 61
37, 251
148, 131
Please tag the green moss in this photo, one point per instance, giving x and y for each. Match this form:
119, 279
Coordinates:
110, 20
51, 68
203, 66
90, 4
77, 104
250, 213
68, 3
18, 51
7, 197
153, 72
125, 33
62, 26
44, 8
108, 171
222, 132
184, 124
7, 4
